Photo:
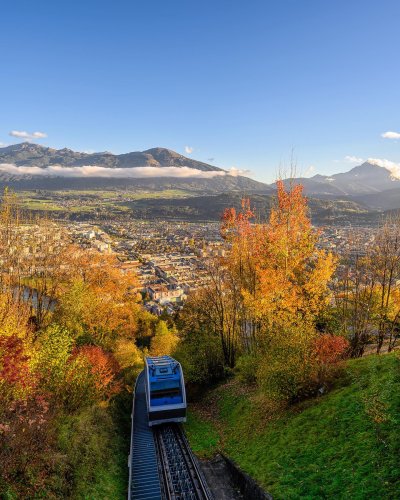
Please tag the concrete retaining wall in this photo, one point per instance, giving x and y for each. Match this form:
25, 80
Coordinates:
247, 486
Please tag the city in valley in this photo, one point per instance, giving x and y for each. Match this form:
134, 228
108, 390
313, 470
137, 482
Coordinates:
170, 258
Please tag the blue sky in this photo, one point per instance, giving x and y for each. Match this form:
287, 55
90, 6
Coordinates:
240, 82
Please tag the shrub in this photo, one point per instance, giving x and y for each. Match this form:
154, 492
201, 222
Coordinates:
52, 356
201, 356
91, 377
299, 363
164, 341
329, 350
286, 364
130, 359
246, 368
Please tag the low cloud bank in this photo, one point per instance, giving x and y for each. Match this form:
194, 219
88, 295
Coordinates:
393, 167
106, 172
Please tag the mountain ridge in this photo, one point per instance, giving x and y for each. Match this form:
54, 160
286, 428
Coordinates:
363, 179
29, 154
206, 178
364, 183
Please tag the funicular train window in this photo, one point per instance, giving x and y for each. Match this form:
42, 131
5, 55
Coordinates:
164, 392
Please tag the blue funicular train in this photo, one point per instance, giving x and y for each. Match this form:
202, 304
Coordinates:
165, 390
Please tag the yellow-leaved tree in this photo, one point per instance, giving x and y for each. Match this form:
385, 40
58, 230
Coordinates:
264, 298
164, 341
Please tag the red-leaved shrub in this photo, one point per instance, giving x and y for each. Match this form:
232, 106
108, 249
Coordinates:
329, 350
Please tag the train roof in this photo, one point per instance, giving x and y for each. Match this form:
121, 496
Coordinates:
162, 366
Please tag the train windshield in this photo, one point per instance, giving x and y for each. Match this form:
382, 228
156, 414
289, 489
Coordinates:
165, 392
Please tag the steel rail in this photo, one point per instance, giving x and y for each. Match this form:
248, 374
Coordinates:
144, 480
131, 445
183, 479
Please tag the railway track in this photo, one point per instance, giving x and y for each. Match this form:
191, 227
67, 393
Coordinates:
182, 478
162, 465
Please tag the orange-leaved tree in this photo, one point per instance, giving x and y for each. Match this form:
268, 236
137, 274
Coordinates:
293, 272
263, 299
99, 299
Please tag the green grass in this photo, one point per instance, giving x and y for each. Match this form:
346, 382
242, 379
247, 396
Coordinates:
117, 193
343, 445
88, 201
96, 452
40, 204
203, 437
163, 194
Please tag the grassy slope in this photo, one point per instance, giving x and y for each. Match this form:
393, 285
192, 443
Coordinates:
93, 451
343, 445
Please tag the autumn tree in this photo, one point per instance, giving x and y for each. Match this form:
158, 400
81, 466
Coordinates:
164, 341
24, 412
46, 265
384, 258
367, 290
239, 274
264, 298
201, 345
91, 376
293, 272
99, 299
10, 240
34, 254
355, 301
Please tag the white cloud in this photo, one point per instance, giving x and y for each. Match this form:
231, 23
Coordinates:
353, 159
310, 170
393, 167
188, 150
3, 144
106, 172
237, 171
22, 134
391, 135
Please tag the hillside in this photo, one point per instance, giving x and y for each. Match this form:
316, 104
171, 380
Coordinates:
180, 204
337, 211
385, 200
342, 445
197, 186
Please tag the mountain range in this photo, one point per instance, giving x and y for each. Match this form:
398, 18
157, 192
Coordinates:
32, 166
30, 154
362, 180
371, 185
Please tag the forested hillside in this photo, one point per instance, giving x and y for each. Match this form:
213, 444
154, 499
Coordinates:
69, 319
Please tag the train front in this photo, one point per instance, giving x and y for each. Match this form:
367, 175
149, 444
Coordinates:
165, 390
